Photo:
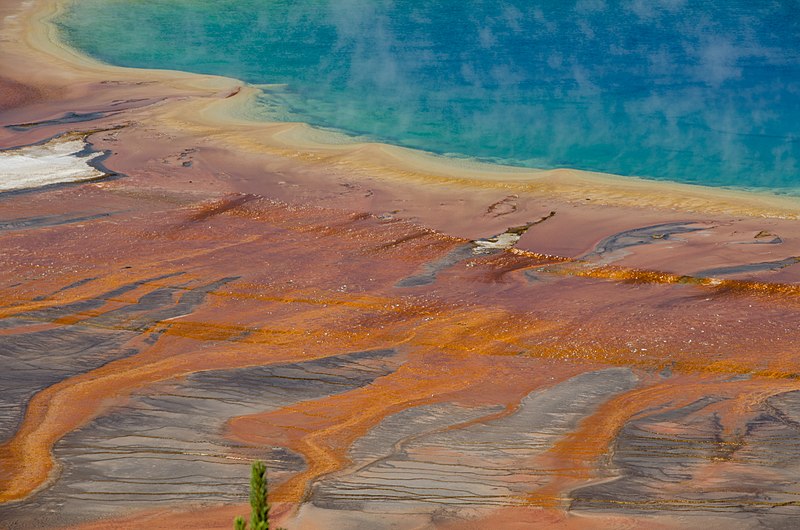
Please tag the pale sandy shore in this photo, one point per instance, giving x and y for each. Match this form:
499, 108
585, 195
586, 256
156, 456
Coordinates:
33, 54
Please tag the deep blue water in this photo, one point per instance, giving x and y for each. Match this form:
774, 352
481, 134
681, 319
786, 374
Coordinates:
694, 91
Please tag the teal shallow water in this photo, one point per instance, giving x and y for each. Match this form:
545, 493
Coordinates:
700, 92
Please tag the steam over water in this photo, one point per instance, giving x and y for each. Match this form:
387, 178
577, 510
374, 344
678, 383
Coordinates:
704, 92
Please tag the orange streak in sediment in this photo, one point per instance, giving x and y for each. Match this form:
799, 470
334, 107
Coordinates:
323, 431
187, 347
25, 459
472, 341
630, 275
15, 305
575, 458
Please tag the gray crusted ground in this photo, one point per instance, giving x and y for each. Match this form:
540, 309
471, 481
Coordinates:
682, 462
168, 447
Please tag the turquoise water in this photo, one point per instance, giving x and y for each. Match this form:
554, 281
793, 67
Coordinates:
703, 92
